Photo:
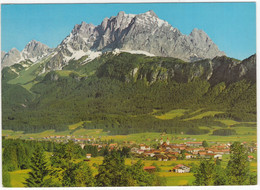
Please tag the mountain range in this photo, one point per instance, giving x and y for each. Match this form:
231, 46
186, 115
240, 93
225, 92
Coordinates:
122, 74
126, 32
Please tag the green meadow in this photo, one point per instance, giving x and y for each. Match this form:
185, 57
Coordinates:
17, 178
243, 134
172, 114
201, 115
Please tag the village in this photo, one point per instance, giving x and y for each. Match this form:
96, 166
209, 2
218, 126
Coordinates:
161, 151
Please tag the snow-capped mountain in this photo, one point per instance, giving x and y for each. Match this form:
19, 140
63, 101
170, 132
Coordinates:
143, 33
33, 51
128, 32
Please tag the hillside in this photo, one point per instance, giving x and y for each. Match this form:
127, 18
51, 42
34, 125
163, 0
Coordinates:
126, 93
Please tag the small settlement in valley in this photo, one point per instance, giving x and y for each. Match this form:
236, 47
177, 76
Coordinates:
163, 151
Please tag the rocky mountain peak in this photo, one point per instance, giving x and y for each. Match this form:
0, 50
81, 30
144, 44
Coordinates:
2, 54
11, 57
13, 51
142, 32
35, 50
151, 13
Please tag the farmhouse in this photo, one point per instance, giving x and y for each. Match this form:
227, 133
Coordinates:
188, 156
181, 169
150, 169
250, 158
88, 156
202, 154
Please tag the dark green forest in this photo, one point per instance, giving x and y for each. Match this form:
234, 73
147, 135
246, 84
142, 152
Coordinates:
119, 94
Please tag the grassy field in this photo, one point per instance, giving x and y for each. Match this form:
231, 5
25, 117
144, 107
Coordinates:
74, 126
26, 75
18, 177
172, 114
177, 179
243, 134
228, 122
201, 115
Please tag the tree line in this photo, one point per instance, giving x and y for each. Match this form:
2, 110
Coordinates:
65, 171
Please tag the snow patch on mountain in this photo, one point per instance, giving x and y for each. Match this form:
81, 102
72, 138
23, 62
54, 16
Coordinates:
118, 51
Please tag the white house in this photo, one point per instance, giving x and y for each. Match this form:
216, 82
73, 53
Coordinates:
88, 156
181, 169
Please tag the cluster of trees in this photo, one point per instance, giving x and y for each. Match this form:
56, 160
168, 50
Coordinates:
65, 171
237, 172
114, 172
224, 132
17, 154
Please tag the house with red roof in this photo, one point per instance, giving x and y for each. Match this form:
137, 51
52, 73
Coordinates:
149, 169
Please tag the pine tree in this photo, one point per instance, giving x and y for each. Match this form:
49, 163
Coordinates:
112, 172
238, 165
139, 176
83, 175
205, 173
37, 177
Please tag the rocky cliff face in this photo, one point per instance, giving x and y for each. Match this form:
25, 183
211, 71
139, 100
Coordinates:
33, 51
11, 57
219, 69
2, 54
145, 32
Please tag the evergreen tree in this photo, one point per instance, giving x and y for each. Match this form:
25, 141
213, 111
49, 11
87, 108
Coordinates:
238, 165
83, 175
220, 175
10, 160
37, 177
205, 173
69, 173
112, 172
6, 177
139, 176
205, 144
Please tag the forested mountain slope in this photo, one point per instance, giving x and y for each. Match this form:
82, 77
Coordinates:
123, 93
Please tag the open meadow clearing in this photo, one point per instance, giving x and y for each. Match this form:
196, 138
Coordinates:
17, 178
26, 75
177, 179
172, 114
247, 134
201, 115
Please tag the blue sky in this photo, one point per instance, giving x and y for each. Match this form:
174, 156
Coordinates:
232, 26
